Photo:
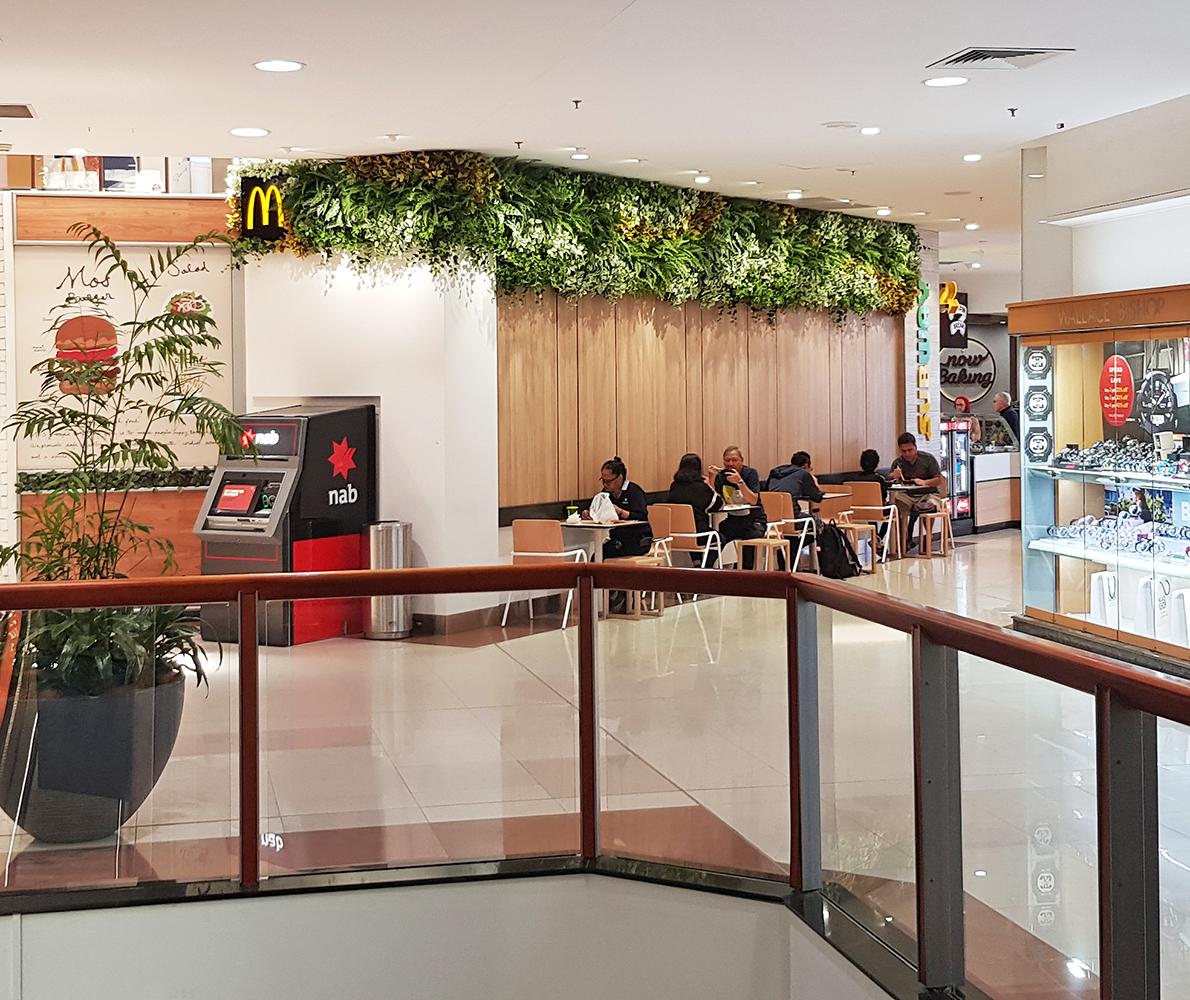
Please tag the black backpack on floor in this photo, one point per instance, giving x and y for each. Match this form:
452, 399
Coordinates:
836, 557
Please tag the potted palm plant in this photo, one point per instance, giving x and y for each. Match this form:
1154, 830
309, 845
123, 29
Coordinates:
94, 697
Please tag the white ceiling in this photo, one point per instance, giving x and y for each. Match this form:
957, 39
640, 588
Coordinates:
737, 89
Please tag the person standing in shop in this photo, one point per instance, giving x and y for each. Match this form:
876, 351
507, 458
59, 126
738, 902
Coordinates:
913, 468
1004, 407
739, 484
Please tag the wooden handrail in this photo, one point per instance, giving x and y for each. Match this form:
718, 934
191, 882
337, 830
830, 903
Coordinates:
1151, 691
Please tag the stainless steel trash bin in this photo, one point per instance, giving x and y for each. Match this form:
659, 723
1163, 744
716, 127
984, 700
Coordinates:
388, 548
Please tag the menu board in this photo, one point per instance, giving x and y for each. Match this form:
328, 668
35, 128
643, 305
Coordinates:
48, 276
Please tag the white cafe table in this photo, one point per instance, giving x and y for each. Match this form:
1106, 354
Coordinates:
593, 533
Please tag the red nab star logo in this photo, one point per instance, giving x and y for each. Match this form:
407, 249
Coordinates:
342, 458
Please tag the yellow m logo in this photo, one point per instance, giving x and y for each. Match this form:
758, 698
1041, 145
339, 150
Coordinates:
263, 197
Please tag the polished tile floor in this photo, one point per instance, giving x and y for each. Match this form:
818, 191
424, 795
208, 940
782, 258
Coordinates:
416, 752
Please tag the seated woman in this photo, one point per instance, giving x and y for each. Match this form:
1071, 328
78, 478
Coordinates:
630, 504
796, 479
693, 486
869, 461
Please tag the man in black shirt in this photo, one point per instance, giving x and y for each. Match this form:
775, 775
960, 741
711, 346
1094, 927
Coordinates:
1004, 407
743, 483
796, 479
913, 468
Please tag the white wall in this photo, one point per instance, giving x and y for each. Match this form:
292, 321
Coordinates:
582, 937
1146, 250
1127, 163
428, 351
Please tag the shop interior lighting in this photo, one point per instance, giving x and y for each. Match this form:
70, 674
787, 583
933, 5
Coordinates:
870, 130
971, 225
884, 210
250, 133
279, 66
794, 195
702, 179
945, 81
1036, 176
972, 158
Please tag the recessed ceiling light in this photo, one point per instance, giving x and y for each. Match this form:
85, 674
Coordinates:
634, 159
250, 133
945, 81
580, 156
279, 66
845, 201
1036, 176
392, 136
702, 179
972, 157
976, 264
919, 213
794, 195
884, 211
750, 183
971, 225
1042, 222
870, 130
980, 873
76, 151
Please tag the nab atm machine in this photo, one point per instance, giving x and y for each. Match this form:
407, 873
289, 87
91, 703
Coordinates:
301, 506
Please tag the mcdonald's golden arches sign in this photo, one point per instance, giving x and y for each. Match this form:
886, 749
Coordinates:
262, 216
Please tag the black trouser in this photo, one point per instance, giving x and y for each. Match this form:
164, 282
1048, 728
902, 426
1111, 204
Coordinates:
735, 527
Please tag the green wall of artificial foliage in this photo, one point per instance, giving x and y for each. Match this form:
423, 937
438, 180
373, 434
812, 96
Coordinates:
542, 227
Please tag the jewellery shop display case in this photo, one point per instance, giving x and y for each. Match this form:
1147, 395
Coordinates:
1105, 455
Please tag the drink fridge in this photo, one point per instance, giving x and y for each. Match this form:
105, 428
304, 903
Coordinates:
956, 466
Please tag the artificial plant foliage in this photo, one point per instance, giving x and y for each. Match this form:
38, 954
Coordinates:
539, 227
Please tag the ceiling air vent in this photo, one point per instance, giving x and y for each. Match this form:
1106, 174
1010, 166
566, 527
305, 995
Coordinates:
17, 111
5, 147
978, 57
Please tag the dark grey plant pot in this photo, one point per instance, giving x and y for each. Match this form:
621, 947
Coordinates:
94, 759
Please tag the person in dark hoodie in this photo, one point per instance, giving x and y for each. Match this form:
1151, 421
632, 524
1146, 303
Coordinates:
796, 479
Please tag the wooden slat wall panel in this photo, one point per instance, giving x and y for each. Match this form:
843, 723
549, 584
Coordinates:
763, 452
596, 390
882, 386
695, 437
853, 393
834, 410
527, 366
568, 425
581, 382
127, 220
724, 383
650, 389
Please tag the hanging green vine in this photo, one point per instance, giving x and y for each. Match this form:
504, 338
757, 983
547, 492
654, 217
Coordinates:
540, 227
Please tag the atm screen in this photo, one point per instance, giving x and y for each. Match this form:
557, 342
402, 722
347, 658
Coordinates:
236, 498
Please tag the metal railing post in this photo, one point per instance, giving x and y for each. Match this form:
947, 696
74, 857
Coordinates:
805, 782
1129, 880
249, 742
588, 719
938, 814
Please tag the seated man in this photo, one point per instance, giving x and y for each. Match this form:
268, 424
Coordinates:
869, 460
916, 468
740, 483
796, 479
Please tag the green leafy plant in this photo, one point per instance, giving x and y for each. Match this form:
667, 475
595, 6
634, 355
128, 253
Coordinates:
108, 402
538, 227
88, 651
134, 479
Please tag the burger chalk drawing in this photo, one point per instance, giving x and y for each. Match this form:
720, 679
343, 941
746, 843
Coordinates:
82, 344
